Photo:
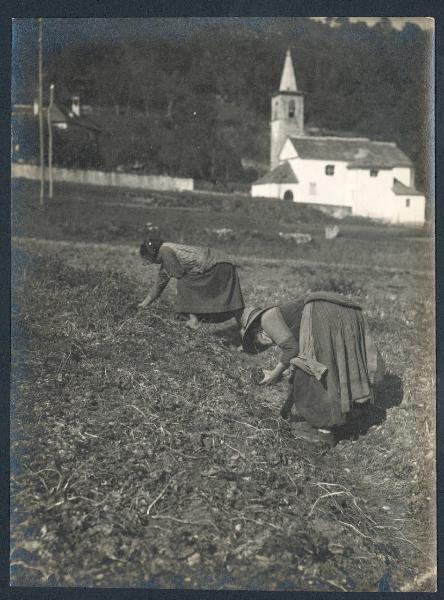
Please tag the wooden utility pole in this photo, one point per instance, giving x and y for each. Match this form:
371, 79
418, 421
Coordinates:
42, 149
51, 102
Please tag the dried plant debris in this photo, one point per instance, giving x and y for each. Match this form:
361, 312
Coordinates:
144, 454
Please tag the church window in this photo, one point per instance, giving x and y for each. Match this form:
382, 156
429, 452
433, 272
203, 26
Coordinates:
407, 202
291, 108
374, 172
288, 195
312, 188
329, 169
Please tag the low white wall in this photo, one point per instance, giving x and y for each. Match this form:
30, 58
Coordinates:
151, 182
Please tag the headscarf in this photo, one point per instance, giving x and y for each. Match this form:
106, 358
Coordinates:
153, 241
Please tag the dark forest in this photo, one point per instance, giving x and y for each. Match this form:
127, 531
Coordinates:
198, 105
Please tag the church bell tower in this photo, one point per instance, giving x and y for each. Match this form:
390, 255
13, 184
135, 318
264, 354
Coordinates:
287, 111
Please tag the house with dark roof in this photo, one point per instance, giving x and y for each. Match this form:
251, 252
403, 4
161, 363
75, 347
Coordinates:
342, 175
69, 120
62, 118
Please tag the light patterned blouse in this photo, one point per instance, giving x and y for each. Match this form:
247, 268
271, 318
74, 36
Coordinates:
178, 260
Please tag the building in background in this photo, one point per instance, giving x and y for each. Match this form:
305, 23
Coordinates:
76, 133
342, 175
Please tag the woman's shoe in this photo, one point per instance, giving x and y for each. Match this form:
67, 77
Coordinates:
308, 433
193, 322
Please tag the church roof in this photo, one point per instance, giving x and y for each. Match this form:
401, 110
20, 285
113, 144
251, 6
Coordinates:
288, 79
401, 189
283, 173
359, 153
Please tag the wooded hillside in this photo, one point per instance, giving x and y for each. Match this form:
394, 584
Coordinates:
199, 105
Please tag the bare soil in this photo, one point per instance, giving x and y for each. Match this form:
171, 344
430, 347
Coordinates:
144, 454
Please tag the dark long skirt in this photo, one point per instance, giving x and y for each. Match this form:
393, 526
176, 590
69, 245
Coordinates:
339, 340
216, 291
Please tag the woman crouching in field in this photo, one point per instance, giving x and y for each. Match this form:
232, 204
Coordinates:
208, 287
332, 358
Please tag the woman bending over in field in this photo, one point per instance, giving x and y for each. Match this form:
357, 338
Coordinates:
208, 285
333, 361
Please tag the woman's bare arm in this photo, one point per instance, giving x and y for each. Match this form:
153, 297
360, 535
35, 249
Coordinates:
274, 375
161, 283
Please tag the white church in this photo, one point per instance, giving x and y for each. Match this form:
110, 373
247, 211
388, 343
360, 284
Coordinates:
343, 175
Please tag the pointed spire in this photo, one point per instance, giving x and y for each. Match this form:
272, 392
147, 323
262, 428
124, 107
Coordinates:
288, 79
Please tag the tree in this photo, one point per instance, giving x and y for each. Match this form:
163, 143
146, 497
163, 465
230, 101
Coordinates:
200, 104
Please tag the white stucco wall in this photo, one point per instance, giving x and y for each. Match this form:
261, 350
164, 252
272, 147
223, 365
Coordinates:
329, 189
414, 213
371, 196
265, 190
288, 151
275, 190
404, 175
366, 195
151, 182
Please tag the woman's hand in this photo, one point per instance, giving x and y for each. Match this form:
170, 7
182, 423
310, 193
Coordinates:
144, 303
270, 378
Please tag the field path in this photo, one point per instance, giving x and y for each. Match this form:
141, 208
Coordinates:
244, 260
